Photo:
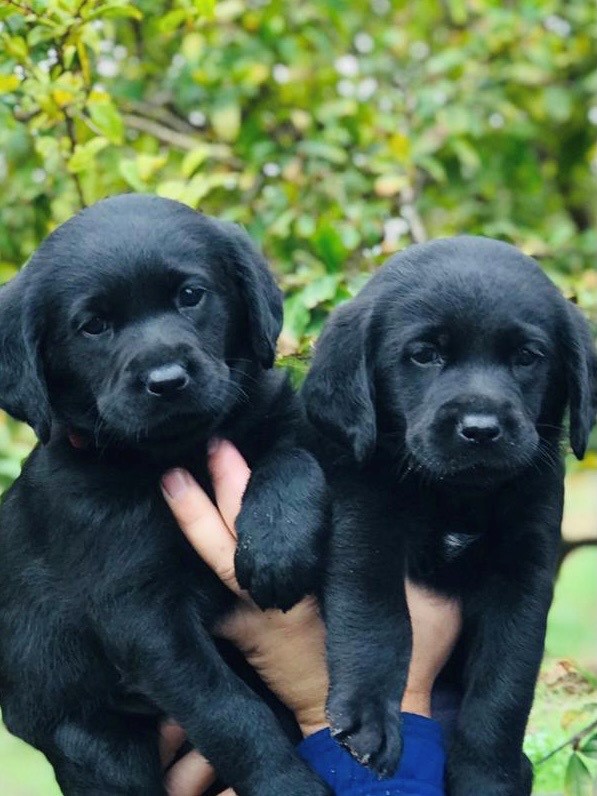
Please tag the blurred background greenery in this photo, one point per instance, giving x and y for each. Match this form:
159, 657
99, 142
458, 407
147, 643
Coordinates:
337, 131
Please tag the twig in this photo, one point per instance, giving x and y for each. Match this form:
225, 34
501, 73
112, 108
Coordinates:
70, 129
22, 7
574, 740
411, 214
160, 113
569, 547
159, 131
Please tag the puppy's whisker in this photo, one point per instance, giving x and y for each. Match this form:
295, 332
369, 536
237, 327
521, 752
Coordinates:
549, 426
239, 391
243, 374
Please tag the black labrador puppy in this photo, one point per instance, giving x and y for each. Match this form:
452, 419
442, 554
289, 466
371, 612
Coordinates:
442, 388
139, 330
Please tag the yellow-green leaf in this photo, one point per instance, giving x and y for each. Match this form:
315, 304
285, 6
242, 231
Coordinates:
16, 46
193, 160
62, 97
205, 7
225, 119
115, 10
148, 165
84, 61
8, 83
130, 171
84, 154
108, 120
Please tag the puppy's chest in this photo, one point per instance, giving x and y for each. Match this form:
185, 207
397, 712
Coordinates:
110, 522
450, 551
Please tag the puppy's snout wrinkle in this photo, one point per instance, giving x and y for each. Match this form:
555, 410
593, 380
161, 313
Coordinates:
167, 380
479, 428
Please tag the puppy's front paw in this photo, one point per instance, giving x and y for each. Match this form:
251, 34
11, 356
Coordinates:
280, 532
277, 562
273, 577
369, 727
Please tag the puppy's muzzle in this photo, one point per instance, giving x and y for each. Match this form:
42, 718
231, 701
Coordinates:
477, 423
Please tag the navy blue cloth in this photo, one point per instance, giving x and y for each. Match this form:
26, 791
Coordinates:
420, 773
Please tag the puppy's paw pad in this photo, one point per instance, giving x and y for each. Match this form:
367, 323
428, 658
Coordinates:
370, 729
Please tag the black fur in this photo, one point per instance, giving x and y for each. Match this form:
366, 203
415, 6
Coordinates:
102, 600
441, 390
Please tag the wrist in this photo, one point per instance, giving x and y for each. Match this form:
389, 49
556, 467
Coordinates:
418, 702
311, 721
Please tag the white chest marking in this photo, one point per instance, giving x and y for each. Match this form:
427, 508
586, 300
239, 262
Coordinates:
457, 543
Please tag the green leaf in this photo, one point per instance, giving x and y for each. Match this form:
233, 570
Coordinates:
84, 155
149, 165
320, 290
115, 10
589, 748
129, 169
458, 11
323, 151
195, 158
172, 20
108, 120
8, 11
225, 119
468, 156
296, 317
205, 7
578, 781
329, 246
16, 46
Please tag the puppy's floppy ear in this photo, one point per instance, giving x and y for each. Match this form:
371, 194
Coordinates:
581, 365
338, 391
23, 391
263, 298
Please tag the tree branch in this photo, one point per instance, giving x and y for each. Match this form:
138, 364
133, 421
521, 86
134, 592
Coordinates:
568, 547
574, 740
160, 113
160, 131
409, 211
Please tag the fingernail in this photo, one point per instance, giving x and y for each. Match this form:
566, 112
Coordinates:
213, 445
175, 483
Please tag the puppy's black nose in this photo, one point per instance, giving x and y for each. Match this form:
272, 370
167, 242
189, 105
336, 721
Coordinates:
167, 380
479, 428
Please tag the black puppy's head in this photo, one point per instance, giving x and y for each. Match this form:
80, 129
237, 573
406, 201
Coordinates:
136, 321
463, 355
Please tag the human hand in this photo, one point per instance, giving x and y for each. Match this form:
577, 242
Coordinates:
436, 624
287, 650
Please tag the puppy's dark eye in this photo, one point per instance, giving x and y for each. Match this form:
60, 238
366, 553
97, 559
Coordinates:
526, 356
95, 326
426, 354
190, 296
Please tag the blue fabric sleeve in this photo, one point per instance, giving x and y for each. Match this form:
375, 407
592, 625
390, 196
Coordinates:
420, 773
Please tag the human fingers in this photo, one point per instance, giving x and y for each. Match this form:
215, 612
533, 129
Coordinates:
202, 524
192, 775
172, 737
230, 475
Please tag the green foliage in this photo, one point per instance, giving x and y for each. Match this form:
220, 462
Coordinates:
579, 780
337, 132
